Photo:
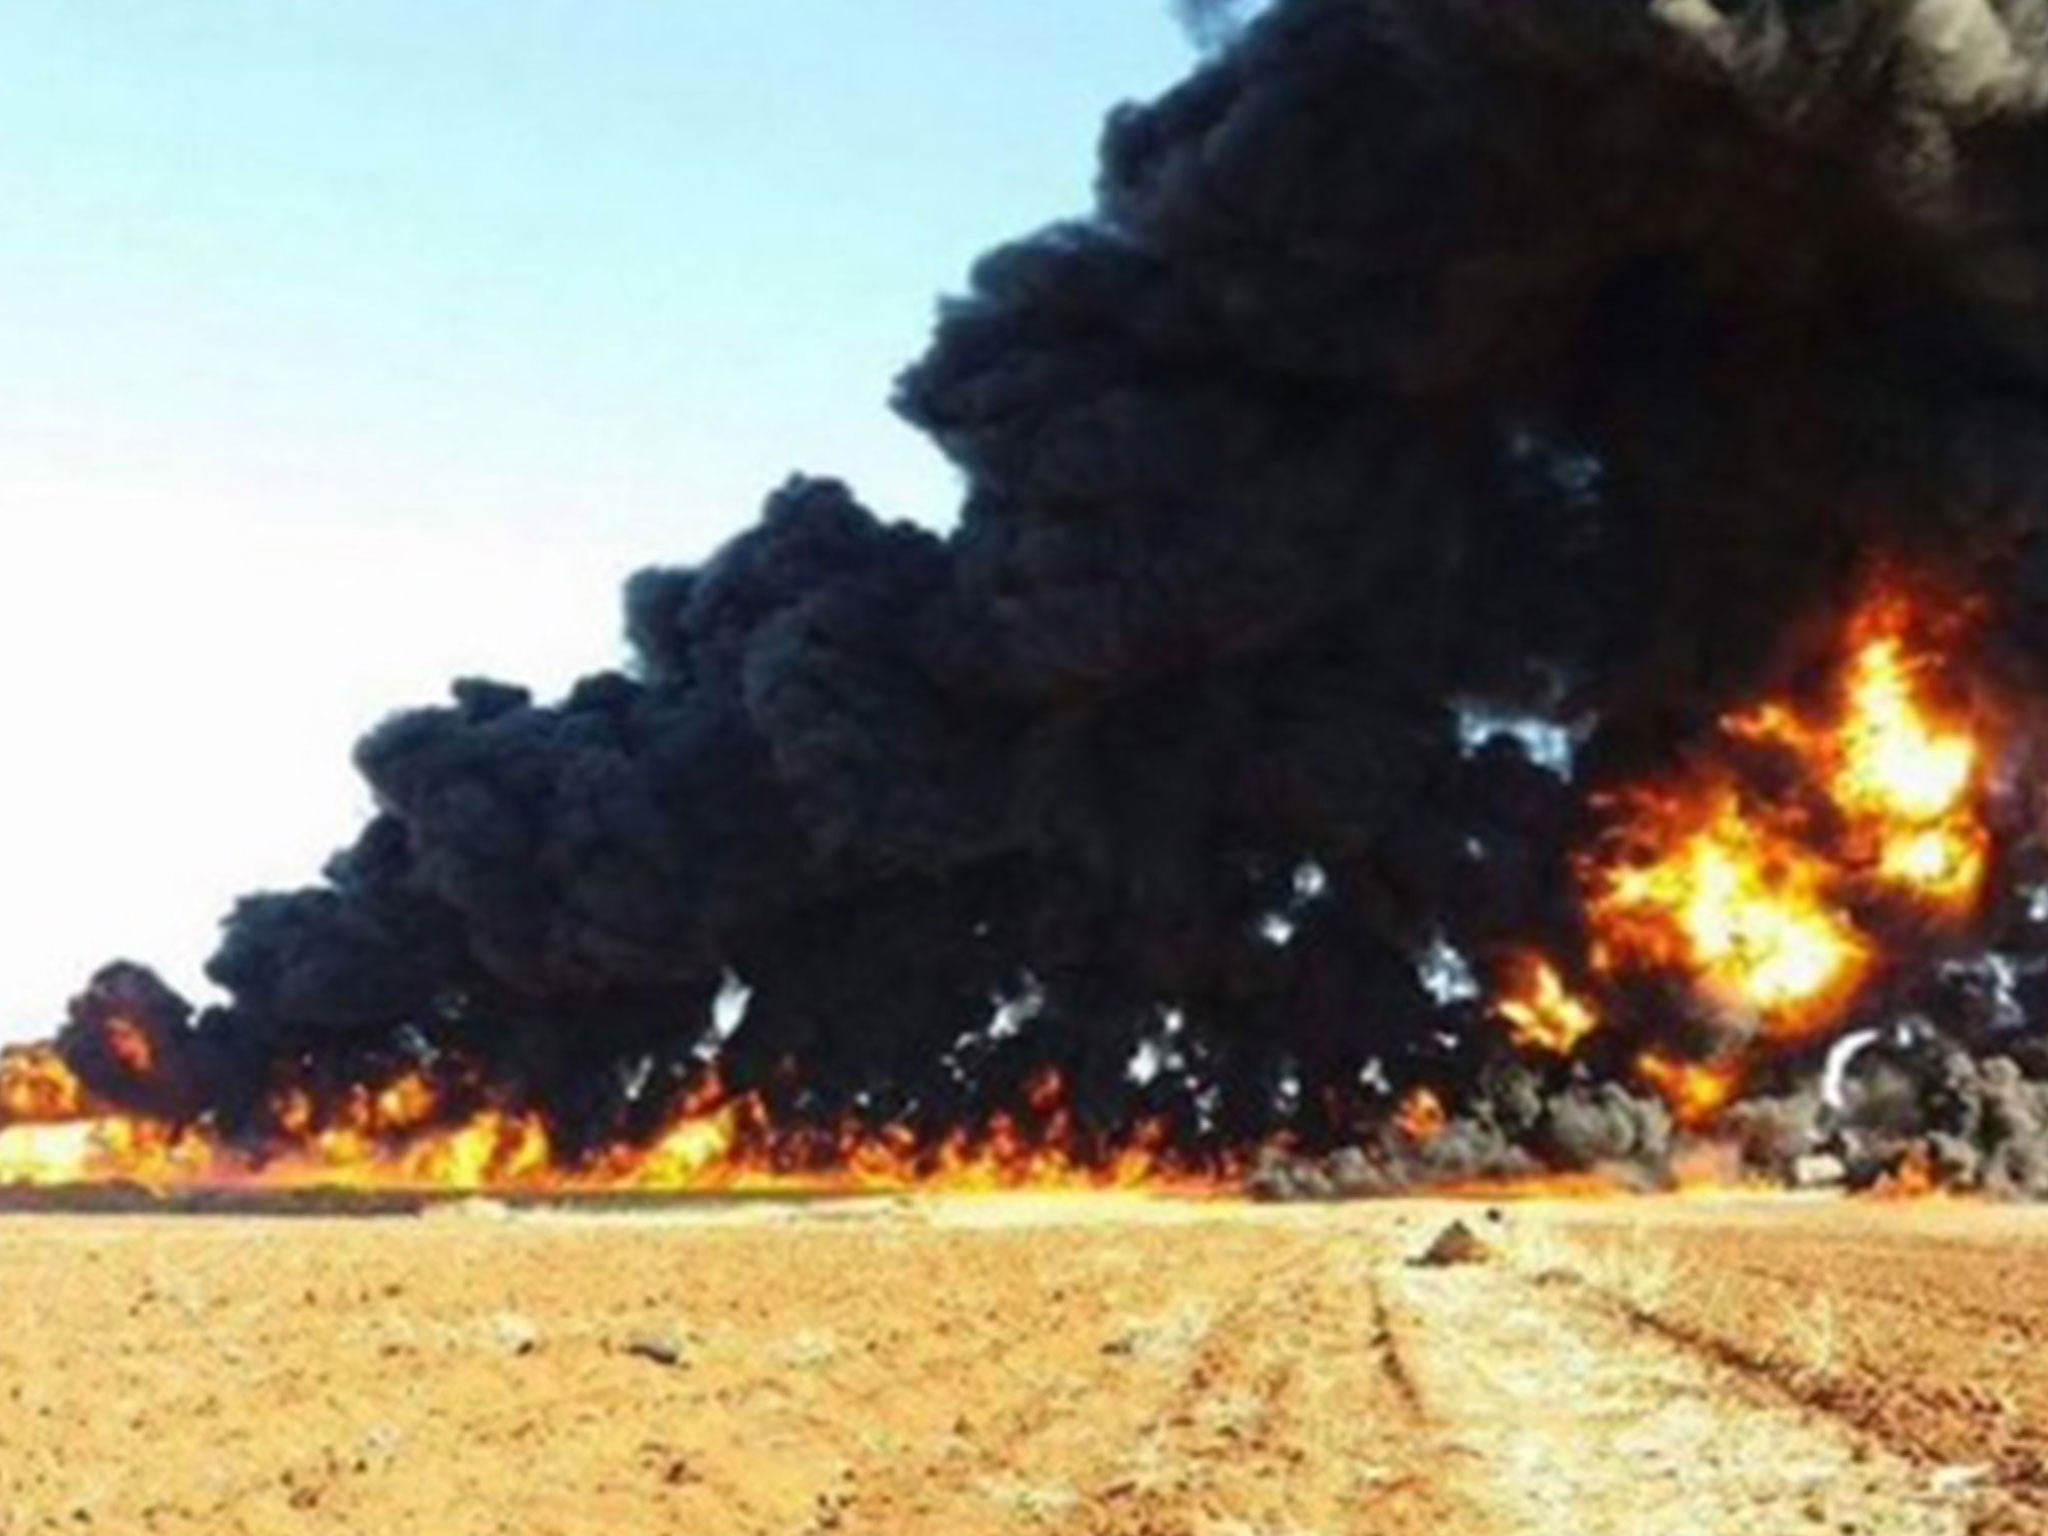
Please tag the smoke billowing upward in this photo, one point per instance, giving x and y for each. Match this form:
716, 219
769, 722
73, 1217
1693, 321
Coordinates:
1213, 23
1425, 364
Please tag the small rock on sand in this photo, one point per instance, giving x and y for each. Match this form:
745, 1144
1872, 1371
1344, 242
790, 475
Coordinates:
1456, 1244
661, 1348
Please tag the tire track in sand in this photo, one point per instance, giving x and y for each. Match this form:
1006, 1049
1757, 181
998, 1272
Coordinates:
1567, 1422
1262, 1398
1295, 1414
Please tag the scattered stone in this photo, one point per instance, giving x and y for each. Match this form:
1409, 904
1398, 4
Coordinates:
516, 1334
1456, 1244
661, 1348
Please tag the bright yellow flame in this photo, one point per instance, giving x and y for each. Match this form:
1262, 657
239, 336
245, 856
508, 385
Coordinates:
1744, 912
35, 1085
1901, 775
1748, 893
1945, 863
1542, 1013
1893, 758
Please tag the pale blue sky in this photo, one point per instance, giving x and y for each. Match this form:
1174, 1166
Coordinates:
345, 346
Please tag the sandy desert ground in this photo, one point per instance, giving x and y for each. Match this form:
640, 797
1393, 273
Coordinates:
1623, 1368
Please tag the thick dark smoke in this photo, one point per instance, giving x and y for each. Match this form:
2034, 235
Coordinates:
1444, 395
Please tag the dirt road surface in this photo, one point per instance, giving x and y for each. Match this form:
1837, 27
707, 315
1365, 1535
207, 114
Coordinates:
993, 1368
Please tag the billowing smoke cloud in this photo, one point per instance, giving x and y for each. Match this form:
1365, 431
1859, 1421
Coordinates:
1428, 368
1214, 23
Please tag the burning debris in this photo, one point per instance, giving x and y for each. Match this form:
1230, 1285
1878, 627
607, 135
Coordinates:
1506, 562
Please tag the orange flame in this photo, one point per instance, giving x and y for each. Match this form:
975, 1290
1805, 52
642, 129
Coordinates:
1697, 1091
1742, 910
1421, 1117
1749, 895
1913, 1179
1542, 1013
36, 1087
1903, 774
398, 1136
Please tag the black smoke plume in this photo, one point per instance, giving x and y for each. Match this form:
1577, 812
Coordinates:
1450, 407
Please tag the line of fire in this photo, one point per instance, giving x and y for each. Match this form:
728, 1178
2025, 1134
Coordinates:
1756, 917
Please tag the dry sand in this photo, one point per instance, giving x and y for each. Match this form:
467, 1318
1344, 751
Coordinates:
1667, 1368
